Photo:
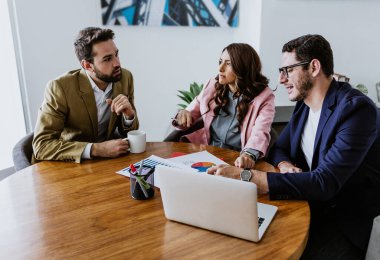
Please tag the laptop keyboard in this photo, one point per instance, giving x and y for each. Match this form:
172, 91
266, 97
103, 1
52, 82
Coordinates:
261, 220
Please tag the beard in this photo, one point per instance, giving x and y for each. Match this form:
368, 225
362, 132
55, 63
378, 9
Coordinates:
108, 78
304, 89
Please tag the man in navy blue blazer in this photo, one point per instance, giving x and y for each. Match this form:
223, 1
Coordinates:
328, 153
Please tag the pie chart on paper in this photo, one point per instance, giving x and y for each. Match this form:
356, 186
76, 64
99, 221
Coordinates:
202, 166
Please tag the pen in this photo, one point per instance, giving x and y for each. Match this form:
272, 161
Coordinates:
175, 121
141, 167
142, 186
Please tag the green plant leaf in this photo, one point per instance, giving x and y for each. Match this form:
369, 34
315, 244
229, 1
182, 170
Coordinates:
186, 96
199, 88
192, 89
186, 99
182, 106
183, 98
196, 88
362, 88
189, 95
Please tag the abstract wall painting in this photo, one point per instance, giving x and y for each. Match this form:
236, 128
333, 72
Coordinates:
193, 13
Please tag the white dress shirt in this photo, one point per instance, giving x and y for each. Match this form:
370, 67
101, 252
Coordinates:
104, 114
308, 135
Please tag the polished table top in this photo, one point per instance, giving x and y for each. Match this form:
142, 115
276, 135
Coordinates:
65, 210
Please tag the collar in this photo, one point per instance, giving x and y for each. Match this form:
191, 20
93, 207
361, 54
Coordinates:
96, 88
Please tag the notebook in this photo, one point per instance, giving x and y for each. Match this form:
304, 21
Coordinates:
215, 203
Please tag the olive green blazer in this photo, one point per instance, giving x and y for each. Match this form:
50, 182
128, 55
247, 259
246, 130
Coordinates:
67, 119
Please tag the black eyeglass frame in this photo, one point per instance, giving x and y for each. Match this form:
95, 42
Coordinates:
285, 69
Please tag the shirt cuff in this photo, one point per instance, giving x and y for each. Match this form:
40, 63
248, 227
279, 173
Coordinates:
87, 151
128, 122
255, 154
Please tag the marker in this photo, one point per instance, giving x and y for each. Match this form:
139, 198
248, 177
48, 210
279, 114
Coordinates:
133, 168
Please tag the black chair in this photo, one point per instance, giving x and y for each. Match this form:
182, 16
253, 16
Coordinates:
22, 152
273, 137
177, 135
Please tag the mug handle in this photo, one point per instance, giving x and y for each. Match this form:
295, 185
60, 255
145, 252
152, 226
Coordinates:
126, 139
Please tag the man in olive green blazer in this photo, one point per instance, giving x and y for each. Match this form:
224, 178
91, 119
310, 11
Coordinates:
87, 112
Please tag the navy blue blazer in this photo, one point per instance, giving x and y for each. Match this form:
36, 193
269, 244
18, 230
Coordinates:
345, 171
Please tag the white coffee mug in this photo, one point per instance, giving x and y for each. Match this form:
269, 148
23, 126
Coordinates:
137, 141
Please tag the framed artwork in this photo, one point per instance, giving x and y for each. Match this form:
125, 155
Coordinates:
214, 13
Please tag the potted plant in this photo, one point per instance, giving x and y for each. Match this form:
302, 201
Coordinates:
362, 88
188, 95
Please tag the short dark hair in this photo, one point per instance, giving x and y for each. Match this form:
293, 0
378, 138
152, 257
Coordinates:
87, 38
312, 46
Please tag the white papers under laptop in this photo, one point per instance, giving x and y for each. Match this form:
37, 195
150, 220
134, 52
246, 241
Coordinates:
215, 203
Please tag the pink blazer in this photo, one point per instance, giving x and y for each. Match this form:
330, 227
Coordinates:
255, 130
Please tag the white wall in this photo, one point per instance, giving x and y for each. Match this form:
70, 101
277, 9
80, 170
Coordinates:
351, 27
162, 59
11, 115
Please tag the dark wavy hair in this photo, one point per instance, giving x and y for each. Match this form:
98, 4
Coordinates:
250, 81
87, 38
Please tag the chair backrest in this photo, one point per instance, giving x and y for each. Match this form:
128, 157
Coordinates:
22, 152
175, 135
273, 138
373, 250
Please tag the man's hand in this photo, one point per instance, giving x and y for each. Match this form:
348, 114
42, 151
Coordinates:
244, 161
120, 104
225, 170
287, 167
110, 149
258, 177
184, 118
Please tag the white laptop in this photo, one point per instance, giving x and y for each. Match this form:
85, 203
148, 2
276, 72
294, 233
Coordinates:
212, 202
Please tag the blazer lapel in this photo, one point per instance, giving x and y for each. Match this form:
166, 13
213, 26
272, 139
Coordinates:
298, 126
246, 120
327, 109
116, 90
88, 97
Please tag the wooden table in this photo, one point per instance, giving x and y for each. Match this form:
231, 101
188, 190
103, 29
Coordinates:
66, 210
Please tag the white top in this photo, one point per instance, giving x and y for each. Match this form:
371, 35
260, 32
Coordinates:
308, 135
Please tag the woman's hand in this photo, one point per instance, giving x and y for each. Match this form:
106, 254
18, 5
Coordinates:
184, 118
244, 161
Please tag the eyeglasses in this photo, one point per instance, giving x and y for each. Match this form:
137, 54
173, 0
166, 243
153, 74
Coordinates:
284, 70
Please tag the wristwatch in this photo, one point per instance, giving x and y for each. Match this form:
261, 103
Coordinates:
246, 175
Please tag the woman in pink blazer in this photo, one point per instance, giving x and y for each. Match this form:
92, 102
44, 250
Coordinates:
237, 107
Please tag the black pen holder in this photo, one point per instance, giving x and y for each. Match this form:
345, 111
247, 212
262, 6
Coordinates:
138, 191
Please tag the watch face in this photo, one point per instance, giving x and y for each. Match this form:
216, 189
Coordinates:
245, 175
